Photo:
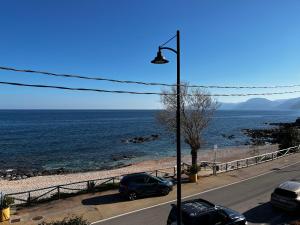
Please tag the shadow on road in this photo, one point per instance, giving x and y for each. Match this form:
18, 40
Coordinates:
266, 214
104, 199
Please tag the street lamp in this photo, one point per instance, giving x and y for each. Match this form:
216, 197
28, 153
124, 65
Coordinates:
159, 59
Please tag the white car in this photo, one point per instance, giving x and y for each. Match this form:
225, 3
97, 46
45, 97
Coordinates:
287, 196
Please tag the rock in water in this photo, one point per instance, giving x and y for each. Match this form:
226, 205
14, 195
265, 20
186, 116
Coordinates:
140, 139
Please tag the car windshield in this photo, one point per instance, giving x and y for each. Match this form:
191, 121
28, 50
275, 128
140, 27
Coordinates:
159, 179
285, 193
228, 211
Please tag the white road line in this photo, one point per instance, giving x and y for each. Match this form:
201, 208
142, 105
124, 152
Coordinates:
189, 196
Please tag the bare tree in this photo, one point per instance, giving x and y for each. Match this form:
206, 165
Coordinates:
197, 109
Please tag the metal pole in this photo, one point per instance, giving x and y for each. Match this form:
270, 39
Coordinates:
215, 159
58, 192
29, 198
178, 146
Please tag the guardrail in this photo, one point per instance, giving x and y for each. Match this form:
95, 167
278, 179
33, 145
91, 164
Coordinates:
218, 167
246, 162
203, 165
65, 190
61, 191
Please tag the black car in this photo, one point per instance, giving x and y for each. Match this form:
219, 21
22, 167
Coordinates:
143, 184
199, 211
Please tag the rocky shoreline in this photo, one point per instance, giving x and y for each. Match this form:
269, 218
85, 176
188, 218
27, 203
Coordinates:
273, 135
19, 174
223, 155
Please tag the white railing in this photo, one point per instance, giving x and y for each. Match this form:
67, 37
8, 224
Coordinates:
70, 189
241, 163
65, 190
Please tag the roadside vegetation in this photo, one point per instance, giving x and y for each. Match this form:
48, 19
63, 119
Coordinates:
68, 221
288, 137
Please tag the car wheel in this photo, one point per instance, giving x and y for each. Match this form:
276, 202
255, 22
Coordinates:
132, 196
165, 191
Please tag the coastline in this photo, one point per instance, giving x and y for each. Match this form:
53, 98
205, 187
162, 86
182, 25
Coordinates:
222, 155
92, 140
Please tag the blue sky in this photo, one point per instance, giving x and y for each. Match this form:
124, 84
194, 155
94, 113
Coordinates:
250, 42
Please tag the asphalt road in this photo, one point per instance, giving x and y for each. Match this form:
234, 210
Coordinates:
250, 197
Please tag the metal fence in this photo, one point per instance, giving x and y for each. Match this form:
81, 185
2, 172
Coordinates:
65, 190
203, 166
246, 162
62, 191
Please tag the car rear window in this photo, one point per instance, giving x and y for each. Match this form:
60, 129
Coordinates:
139, 179
196, 212
195, 207
285, 193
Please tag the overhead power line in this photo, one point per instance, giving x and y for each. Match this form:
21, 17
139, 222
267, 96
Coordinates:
81, 89
138, 93
168, 40
246, 87
84, 77
141, 82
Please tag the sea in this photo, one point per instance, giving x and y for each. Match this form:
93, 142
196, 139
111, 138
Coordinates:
82, 140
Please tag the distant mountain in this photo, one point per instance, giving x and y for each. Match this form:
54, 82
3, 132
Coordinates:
263, 104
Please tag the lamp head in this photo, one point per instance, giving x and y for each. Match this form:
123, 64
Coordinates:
159, 59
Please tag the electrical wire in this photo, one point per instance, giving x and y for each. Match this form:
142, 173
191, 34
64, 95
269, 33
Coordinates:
82, 77
142, 83
82, 89
168, 40
139, 93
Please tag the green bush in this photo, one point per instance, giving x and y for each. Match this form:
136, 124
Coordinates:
6, 201
91, 185
288, 137
193, 169
68, 221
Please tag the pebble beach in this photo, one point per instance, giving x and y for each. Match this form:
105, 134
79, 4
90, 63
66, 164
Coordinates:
222, 155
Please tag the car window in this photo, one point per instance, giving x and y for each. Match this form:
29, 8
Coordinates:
190, 220
285, 193
152, 180
218, 218
172, 216
204, 219
140, 180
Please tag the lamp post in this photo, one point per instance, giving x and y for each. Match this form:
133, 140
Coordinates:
159, 59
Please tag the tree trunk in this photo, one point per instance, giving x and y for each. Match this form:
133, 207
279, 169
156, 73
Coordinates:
194, 156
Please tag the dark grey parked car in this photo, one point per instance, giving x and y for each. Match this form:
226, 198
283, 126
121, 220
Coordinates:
143, 184
202, 212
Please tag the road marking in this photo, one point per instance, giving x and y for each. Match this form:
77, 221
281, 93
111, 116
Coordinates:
190, 196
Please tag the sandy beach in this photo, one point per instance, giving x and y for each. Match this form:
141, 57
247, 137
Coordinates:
223, 155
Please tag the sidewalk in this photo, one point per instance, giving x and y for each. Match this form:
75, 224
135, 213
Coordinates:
98, 206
